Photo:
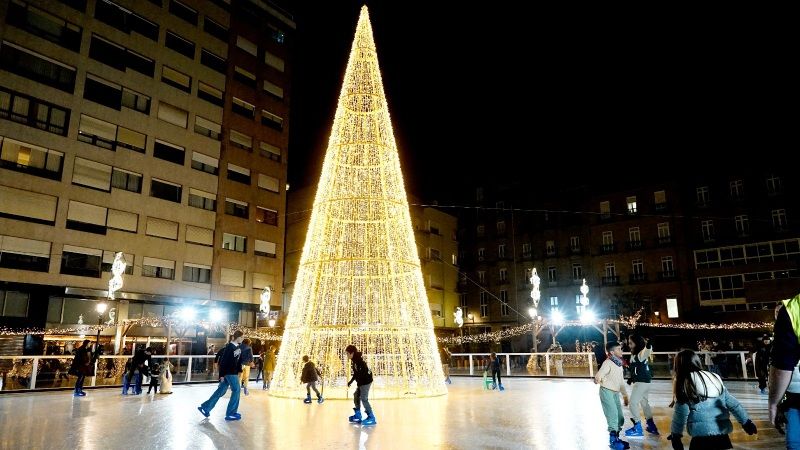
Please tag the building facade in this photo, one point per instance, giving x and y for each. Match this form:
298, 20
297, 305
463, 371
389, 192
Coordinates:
153, 128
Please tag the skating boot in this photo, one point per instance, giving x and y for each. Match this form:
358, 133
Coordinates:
651, 427
370, 420
320, 399
307, 399
355, 418
615, 442
635, 430
501, 387
494, 385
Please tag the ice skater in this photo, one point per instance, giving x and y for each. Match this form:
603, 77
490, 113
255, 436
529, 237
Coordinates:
229, 367
640, 378
446, 355
611, 379
247, 364
493, 366
363, 378
310, 376
269, 366
166, 378
155, 371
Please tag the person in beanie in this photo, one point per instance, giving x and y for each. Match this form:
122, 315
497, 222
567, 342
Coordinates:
640, 378
310, 376
229, 367
612, 383
363, 378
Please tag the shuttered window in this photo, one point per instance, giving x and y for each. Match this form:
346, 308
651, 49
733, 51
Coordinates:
123, 220
162, 228
29, 206
199, 235
269, 183
92, 174
173, 114
265, 248
231, 277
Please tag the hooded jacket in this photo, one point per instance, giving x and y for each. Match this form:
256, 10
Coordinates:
361, 373
310, 373
711, 417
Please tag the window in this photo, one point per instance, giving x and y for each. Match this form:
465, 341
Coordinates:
265, 248
162, 228
176, 79
703, 196
205, 127
605, 210
33, 112
550, 248
666, 265
707, 228
32, 159
27, 206
501, 251
81, 261
165, 190
181, 45
575, 243
79, 5
663, 233
135, 101
124, 20
779, 219
554, 302
503, 274
210, 94
158, 268
91, 174
237, 208
97, 132
269, 183
169, 152
742, 225
638, 266
634, 235
721, 288
454, 259
231, 277
198, 235
14, 304
484, 304
203, 200
482, 277
103, 92
244, 76
273, 89
172, 114
577, 272
611, 270
243, 108
631, 201
184, 12
526, 250
433, 228
275, 34
480, 231
481, 254
504, 308
213, 61
660, 199
234, 242
435, 254
37, 67
123, 221
241, 140
774, 185
608, 238
270, 151
266, 216
131, 140
737, 189
196, 273
247, 46
214, 29
44, 25
552, 276
86, 217
271, 120
501, 227
238, 174
205, 163
273, 61
24, 254
119, 57
125, 180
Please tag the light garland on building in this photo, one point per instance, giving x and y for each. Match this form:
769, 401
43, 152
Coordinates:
712, 326
360, 280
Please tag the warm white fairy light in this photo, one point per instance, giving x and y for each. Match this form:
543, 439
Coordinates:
360, 280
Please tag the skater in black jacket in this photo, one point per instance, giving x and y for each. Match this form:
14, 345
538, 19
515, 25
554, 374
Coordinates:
363, 378
310, 376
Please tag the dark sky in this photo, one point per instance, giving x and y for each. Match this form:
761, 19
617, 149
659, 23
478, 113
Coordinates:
506, 90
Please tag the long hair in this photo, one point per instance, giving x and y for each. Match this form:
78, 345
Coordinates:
686, 362
638, 343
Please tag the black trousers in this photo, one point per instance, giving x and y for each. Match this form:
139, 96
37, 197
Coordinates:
720, 442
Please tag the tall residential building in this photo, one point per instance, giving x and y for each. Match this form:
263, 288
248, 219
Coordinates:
154, 128
435, 233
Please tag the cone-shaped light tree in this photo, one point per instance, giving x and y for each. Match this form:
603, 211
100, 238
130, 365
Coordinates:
360, 280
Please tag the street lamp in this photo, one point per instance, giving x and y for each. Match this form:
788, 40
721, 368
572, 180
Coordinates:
101, 309
658, 314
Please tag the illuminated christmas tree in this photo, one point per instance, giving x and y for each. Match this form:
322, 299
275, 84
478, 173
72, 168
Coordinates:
360, 280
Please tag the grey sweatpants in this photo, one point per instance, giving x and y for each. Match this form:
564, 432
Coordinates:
638, 399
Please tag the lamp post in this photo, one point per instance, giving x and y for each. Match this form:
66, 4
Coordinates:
101, 309
658, 314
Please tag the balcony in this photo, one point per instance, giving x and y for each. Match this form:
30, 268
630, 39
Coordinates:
578, 281
611, 281
663, 206
634, 245
667, 275
527, 255
551, 253
638, 278
664, 241
608, 248
574, 250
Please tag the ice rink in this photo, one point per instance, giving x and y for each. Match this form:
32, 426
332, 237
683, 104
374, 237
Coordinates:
530, 413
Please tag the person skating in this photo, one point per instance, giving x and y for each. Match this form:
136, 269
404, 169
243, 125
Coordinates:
247, 363
229, 367
81, 367
446, 355
493, 366
310, 376
762, 362
640, 378
611, 379
703, 406
269, 366
138, 365
155, 371
166, 378
363, 378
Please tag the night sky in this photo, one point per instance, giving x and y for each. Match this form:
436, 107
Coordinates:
545, 96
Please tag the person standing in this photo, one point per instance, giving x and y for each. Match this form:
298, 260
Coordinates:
80, 367
260, 365
363, 378
762, 362
229, 367
445, 355
166, 378
493, 366
310, 376
611, 379
784, 378
640, 377
269, 366
140, 363
557, 357
247, 363
155, 371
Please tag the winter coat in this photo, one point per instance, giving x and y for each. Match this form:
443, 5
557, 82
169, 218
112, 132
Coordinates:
361, 373
711, 417
230, 360
247, 354
269, 362
81, 363
493, 365
310, 373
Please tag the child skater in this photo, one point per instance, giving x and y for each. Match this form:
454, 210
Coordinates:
612, 383
310, 376
641, 378
703, 405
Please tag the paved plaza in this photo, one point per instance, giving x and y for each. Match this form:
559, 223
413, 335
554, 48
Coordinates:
530, 413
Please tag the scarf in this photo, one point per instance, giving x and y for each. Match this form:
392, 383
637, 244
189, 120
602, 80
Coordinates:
616, 360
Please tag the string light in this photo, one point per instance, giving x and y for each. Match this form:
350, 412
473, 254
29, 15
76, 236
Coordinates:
712, 326
359, 280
